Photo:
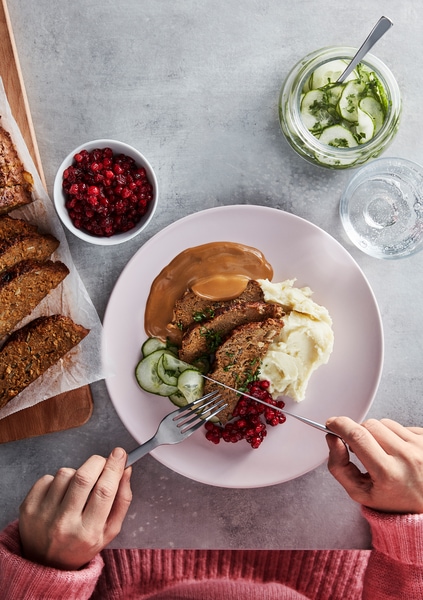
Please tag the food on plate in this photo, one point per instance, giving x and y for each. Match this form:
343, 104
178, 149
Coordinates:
192, 308
302, 346
238, 359
32, 245
33, 349
343, 114
265, 341
160, 372
106, 193
16, 184
202, 339
216, 271
23, 286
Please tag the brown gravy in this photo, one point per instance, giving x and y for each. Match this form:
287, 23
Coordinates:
218, 270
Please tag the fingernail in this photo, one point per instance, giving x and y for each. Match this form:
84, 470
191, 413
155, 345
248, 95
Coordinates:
118, 453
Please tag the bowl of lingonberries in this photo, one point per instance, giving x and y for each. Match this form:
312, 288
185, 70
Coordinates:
105, 192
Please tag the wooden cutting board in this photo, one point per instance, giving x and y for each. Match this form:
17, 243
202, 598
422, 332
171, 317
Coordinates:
70, 409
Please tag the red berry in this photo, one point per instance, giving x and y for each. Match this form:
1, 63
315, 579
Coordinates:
100, 191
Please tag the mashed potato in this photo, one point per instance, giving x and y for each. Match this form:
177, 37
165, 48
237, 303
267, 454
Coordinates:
305, 341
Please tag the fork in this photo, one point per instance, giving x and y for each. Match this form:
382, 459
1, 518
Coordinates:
180, 424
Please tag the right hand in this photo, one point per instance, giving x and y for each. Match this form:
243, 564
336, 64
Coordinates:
393, 457
67, 519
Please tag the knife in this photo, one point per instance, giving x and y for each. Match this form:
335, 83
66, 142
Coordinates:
282, 410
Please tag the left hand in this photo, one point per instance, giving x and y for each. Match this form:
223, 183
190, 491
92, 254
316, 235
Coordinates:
67, 519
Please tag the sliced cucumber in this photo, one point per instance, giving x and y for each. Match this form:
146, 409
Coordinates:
366, 126
168, 376
314, 111
374, 109
329, 73
343, 115
191, 384
151, 345
148, 378
161, 372
350, 97
172, 363
170, 367
178, 399
333, 94
338, 136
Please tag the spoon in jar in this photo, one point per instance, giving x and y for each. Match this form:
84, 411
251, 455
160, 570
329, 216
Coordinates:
376, 33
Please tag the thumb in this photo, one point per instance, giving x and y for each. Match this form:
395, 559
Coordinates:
356, 483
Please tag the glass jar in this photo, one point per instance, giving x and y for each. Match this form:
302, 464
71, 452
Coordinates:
308, 145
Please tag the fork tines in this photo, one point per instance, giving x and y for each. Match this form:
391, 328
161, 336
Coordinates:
203, 409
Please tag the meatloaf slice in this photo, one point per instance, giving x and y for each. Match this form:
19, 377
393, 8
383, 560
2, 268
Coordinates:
26, 246
238, 360
191, 307
33, 349
23, 286
202, 339
10, 227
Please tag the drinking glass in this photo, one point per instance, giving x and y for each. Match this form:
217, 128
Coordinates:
382, 208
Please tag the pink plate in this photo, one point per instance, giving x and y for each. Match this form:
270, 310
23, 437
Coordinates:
347, 385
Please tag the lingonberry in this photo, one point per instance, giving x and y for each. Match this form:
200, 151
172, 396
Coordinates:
249, 418
105, 193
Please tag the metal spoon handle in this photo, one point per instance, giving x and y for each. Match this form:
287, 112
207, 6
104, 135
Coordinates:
376, 33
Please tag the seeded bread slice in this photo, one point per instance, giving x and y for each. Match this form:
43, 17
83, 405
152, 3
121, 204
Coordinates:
33, 349
10, 227
23, 286
26, 246
16, 184
238, 360
202, 339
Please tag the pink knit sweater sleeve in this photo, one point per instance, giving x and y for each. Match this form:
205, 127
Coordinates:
395, 568
20, 578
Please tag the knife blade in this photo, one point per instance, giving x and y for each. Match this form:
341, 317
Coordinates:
282, 410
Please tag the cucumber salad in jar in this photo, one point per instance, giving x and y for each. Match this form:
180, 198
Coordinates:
339, 125
345, 114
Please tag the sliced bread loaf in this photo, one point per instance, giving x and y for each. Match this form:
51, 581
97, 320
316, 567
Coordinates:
33, 349
26, 246
16, 184
23, 286
10, 227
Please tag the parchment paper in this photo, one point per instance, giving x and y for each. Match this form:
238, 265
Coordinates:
82, 365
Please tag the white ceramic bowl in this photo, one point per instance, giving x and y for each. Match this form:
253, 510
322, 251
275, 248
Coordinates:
59, 196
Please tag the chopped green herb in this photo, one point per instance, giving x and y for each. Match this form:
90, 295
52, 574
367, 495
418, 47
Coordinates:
204, 315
